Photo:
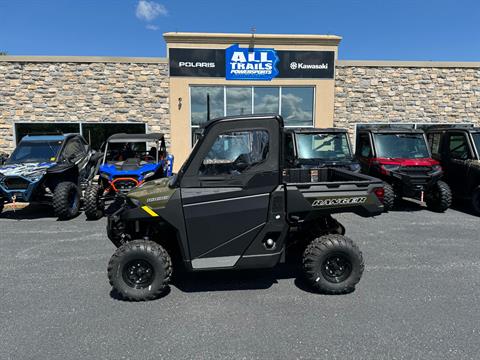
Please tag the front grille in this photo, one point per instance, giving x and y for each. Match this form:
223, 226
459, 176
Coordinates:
16, 183
416, 169
125, 184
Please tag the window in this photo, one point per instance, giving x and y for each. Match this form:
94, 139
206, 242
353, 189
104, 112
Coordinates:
239, 100
22, 129
266, 100
233, 153
476, 140
404, 146
323, 146
33, 151
458, 147
198, 103
73, 149
295, 104
95, 133
364, 146
434, 143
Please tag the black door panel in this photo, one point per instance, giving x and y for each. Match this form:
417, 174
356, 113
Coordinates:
213, 223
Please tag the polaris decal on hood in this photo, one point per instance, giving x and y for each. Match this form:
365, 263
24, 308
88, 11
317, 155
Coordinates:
26, 169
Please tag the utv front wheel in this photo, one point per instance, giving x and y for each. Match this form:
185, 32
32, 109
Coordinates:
66, 200
389, 198
332, 264
476, 200
439, 198
94, 207
140, 270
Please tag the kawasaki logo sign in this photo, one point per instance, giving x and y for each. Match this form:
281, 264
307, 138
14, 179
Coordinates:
250, 64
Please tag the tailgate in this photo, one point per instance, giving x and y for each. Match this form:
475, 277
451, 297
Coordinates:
345, 192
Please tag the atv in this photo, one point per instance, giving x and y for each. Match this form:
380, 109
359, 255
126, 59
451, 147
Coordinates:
458, 150
316, 148
401, 158
126, 164
236, 204
52, 169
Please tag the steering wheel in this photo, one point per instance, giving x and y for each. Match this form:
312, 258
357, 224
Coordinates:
241, 162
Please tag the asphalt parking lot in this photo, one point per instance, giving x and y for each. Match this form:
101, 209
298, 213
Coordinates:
418, 298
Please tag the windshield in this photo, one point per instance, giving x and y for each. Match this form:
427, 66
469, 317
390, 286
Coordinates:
323, 146
33, 151
405, 146
476, 140
140, 151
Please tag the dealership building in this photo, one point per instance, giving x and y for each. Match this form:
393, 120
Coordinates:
211, 75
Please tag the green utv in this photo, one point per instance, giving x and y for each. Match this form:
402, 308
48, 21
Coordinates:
235, 205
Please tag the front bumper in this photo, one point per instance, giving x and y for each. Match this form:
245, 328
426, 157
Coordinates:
11, 193
414, 184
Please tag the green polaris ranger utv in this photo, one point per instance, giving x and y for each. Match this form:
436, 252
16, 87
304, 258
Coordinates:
234, 204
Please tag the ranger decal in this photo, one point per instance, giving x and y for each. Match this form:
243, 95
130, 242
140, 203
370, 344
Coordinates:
340, 201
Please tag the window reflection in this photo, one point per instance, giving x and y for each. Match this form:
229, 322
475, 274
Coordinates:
297, 106
198, 103
266, 100
239, 100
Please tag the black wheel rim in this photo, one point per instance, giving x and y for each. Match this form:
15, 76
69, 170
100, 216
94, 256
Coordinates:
73, 199
138, 274
336, 268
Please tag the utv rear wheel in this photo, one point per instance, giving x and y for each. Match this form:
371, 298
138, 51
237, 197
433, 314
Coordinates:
439, 198
140, 270
332, 264
476, 200
389, 198
66, 200
94, 207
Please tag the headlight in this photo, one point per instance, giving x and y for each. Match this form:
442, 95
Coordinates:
355, 167
390, 167
35, 176
149, 174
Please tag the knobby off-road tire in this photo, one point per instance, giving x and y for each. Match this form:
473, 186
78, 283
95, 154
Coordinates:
332, 264
94, 207
389, 198
66, 200
140, 270
476, 200
2, 205
439, 198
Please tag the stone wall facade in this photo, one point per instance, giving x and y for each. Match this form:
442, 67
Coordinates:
83, 92
415, 93
81, 89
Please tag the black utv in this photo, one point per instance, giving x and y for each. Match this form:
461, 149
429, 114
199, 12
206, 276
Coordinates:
51, 169
235, 204
458, 150
317, 148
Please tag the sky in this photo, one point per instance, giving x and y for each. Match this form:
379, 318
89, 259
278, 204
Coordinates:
438, 30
